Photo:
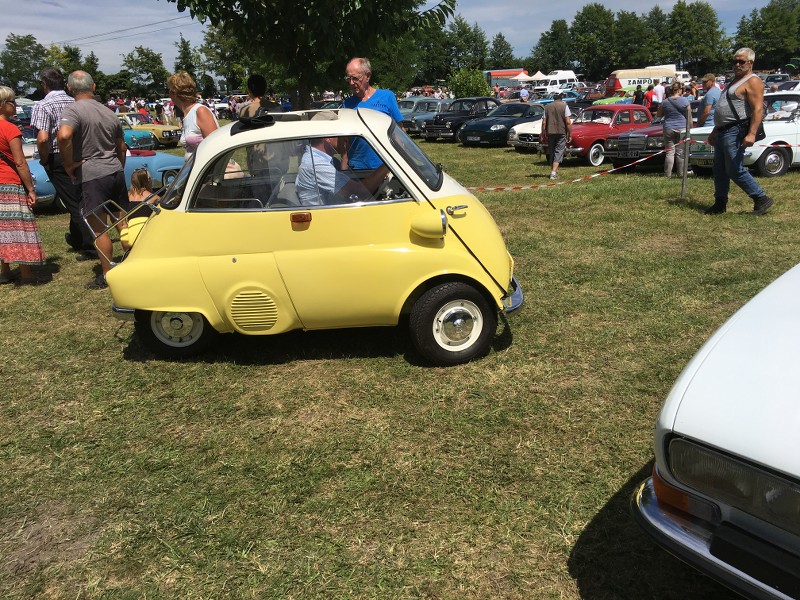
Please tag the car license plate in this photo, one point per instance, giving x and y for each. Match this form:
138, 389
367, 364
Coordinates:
629, 154
473, 138
704, 162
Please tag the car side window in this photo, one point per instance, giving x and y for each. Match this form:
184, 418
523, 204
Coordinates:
623, 117
290, 174
639, 116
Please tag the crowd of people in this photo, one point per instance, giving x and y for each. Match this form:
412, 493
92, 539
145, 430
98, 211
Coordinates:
81, 147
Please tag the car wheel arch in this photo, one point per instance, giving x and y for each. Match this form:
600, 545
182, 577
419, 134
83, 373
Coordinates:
437, 280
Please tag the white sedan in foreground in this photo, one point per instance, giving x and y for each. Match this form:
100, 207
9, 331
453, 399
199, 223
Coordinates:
771, 156
725, 490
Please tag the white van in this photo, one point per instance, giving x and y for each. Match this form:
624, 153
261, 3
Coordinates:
553, 81
632, 77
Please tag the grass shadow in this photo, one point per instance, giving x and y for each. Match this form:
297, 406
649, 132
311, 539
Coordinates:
614, 558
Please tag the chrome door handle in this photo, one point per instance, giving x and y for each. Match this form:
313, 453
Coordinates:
452, 209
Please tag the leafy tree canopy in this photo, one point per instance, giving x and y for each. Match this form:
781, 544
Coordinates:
21, 62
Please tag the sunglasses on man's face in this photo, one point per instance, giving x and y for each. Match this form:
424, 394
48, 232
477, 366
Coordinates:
739, 61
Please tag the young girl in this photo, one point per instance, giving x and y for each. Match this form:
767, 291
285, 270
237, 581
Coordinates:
140, 189
141, 186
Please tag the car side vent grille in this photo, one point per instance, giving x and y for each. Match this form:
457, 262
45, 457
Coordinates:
254, 311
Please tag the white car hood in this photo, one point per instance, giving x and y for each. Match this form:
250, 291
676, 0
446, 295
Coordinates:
741, 392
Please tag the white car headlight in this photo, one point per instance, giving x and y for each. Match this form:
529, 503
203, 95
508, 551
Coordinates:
497, 127
655, 142
736, 483
612, 144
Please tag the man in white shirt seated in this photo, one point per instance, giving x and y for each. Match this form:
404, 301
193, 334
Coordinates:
320, 182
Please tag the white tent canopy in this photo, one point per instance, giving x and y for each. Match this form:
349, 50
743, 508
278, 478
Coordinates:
521, 76
538, 75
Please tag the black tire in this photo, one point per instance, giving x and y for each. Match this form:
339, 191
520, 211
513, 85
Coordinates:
703, 171
452, 323
773, 162
458, 136
174, 334
168, 177
596, 154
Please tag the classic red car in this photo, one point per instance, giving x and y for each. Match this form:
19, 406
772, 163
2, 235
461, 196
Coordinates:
595, 123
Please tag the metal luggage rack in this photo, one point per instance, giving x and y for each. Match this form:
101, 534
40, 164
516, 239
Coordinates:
116, 215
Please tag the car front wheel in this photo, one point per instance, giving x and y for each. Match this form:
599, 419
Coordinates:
773, 162
167, 177
174, 334
452, 323
596, 154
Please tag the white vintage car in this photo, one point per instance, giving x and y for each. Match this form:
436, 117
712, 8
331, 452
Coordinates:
771, 156
725, 491
525, 136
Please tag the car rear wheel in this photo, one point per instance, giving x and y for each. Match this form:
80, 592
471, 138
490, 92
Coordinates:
773, 162
174, 334
452, 323
596, 154
459, 135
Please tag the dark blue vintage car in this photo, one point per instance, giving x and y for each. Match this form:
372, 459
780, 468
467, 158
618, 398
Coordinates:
492, 130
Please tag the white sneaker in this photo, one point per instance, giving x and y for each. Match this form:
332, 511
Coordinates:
553, 175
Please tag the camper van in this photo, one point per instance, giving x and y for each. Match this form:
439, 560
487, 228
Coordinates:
681, 76
554, 80
622, 78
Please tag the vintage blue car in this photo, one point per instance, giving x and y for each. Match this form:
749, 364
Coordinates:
163, 169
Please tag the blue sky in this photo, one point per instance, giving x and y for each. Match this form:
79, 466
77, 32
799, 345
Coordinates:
111, 28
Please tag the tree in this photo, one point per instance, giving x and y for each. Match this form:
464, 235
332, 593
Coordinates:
747, 31
592, 39
310, 37
148, 75
778, 37
66, 59
226, 57
433, 65
501, 54
554, 48
91, 64
659, 35
469, 82
630, 41
466, 45
186, 60
698, 42
21, 62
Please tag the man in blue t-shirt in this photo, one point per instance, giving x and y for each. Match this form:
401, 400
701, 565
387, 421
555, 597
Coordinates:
358, 155
708, 103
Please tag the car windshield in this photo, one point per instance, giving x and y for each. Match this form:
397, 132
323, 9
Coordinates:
596, 115
419, 161
139, 118
510, 110
406, 104
174, 194
781, 108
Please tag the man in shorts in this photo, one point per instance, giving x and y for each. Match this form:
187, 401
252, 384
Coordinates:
92, 145
556, 131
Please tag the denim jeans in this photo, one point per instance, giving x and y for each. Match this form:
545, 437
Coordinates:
728, 158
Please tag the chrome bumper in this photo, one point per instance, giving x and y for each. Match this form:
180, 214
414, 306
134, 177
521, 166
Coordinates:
690, 540
515, 299
123, 314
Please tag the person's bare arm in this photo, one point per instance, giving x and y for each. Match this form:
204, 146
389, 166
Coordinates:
205, 121
43, 145
122, 151
701, 118
754, 96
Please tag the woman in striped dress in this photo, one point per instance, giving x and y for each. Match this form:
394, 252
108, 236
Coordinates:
19, 237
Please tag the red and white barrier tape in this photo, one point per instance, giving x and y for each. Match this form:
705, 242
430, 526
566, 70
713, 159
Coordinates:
515, 188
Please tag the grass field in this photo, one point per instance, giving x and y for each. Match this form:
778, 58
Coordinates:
336, 465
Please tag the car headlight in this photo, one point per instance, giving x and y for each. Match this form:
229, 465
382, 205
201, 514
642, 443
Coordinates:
655, 142
512, 134
447, 124
498, 127
612, 144
746, 487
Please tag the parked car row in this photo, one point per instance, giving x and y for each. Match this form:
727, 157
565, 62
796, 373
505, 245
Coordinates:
621, 132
